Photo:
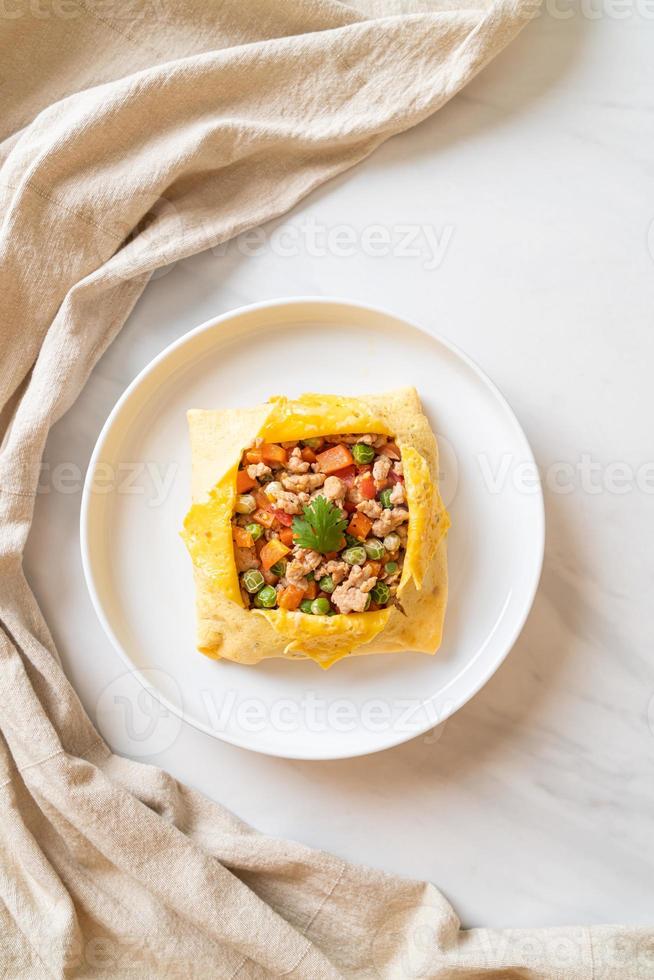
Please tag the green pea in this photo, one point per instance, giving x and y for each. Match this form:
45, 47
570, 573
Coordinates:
391, 567
306, 606
385, 498
380, 593
355, 556
392, 541
310, 443
310, 576
267, 598
279, 568
253, 580
368, 601
245, 503
374, 548
327, 584
255, 530
363, 453
320, 606
332, 612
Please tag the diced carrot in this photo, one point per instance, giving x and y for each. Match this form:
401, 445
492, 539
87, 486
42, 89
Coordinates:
262, 500
253, 456
272, 453
282, 517
272, 552
391, 450
331, 555
367, 487
264, 517
359, 526
242, 537
333, 459
374, 566
244, 482
286, 536
312, 590
308, 455
290, 597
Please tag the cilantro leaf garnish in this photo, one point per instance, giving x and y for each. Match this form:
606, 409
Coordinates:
321, 526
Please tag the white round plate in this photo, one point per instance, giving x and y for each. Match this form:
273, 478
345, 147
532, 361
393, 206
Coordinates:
138, 487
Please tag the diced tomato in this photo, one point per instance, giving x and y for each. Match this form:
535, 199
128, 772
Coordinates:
308, 455
253, 456
290, 597
349, 506
391, 450
333, 459
347, 475
311, 591
359, 526
286, 535
272, 551
242, 538
272, 453
283, 517
367, 487
244, 482
264, 517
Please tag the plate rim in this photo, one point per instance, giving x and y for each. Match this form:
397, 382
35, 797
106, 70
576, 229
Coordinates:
394, 739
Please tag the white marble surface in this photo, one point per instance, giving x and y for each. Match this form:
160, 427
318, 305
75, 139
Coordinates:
535, 804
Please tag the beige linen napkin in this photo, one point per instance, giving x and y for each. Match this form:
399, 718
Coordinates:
134, 134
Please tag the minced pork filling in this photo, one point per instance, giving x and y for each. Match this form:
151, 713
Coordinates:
320, 525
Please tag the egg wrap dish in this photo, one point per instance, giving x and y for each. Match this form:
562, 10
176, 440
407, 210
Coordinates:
226, 628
